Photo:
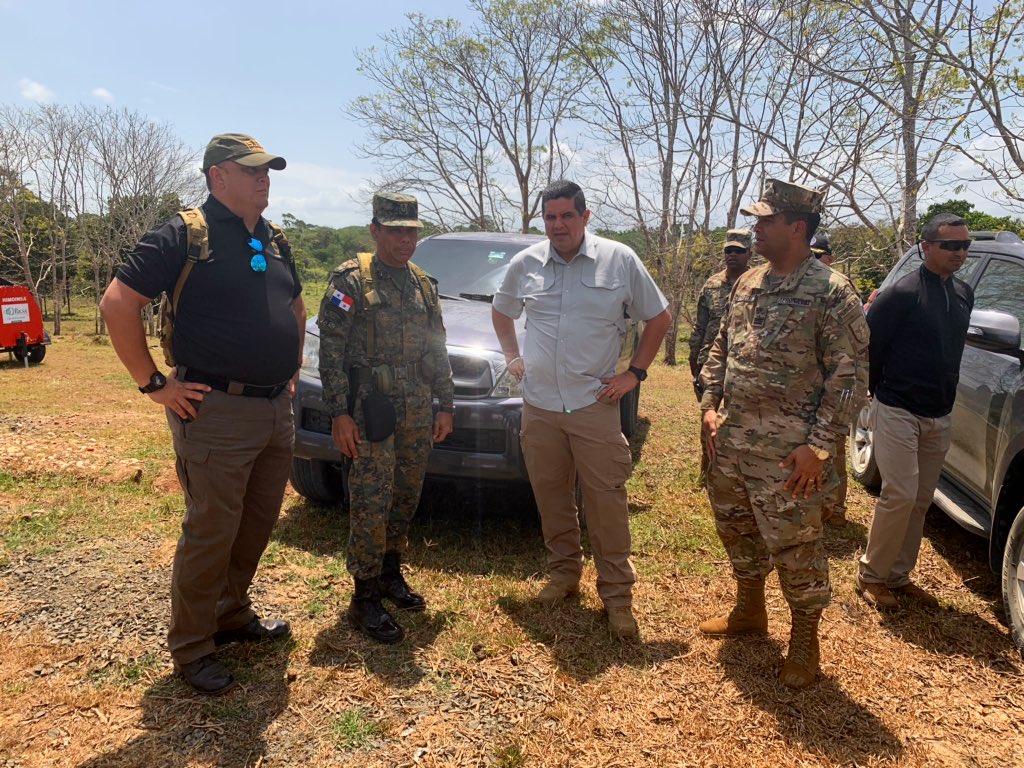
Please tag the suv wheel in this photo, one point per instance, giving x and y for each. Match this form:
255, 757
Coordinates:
319, 481
862, 453
1013, 581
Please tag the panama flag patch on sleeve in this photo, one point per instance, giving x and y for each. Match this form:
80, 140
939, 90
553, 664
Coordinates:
342, 301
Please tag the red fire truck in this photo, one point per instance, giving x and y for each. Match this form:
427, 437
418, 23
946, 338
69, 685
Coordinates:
21, 324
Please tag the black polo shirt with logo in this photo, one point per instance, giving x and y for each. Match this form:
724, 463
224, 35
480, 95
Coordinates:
232, 322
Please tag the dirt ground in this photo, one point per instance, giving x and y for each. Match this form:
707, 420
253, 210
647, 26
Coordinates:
89, 515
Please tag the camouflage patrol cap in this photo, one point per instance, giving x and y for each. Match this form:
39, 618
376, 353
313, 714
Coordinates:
391, 209
737, 238
779, 196
242, 149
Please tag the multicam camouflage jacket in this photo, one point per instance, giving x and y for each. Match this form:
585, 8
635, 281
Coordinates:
409, 337
789, 364
713, 299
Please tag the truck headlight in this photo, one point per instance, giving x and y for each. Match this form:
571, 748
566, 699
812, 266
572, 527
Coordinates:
311, 356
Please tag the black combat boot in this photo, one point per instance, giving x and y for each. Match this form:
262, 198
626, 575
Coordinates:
394, 588
366, 613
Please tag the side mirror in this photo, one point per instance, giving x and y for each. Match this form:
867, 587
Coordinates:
994, 331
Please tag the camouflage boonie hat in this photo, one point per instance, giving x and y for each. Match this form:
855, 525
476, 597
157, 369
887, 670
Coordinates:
737, 238
242, 149
779, 196
391, 209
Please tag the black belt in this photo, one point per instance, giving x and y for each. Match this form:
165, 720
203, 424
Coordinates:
234, 387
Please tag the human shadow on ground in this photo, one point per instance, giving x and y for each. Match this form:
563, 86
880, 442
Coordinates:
967, 555
183, 728
342, 647
842, 543
577, 637
822, 719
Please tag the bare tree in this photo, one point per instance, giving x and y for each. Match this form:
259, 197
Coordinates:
471, 116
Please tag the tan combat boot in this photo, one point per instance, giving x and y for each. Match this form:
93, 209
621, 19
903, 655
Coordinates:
557, 590
621, 623
801, 667
748, 617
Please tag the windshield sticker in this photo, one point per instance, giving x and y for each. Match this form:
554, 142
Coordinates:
496, 256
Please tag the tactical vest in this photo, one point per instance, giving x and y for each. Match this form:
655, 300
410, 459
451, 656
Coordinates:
198, 249
371, 300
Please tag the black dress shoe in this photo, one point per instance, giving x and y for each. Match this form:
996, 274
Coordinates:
206, 675
256, 631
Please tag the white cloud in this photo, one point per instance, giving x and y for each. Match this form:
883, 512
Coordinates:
34, 91
318, 194
103, 95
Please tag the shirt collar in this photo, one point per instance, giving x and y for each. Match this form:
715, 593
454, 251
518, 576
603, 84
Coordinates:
217, 211
790, 281
586, 249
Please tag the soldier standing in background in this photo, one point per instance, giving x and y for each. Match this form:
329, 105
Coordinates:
783, 376
383, 358
834, 511
714, 296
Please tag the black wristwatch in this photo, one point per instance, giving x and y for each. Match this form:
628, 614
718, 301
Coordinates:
640, 373
446, 408
156, 382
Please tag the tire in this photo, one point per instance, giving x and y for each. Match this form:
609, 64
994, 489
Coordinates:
319, 481
629, 412
36, 354
862, 453
1013, 581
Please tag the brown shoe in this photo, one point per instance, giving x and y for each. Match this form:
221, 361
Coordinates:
557, 590
748, 616
916, 594
621, 623
876, 595
835, 518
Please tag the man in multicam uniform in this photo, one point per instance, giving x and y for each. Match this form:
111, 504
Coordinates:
714, 296
784, 375
834, 511
390, 339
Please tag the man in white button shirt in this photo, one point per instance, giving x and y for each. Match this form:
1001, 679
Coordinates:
577, 290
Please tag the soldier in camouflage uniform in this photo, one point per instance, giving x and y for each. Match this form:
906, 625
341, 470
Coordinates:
784, 375
382, 339
714, 296
834, 512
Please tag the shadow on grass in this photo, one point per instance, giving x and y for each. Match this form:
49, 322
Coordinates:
842, 543
949, 632
966, 554
183, 728
342, 647
579, 641
822, 719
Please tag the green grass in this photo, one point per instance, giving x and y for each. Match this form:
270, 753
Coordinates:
352, 729
127, 673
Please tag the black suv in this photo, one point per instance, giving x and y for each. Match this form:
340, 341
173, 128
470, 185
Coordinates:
982, 483
484, 444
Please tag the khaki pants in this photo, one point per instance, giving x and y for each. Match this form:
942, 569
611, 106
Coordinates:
909, 451
589, 443
233, 464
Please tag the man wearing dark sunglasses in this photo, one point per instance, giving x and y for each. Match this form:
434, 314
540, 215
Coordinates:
711, 302
239, 324
918, 330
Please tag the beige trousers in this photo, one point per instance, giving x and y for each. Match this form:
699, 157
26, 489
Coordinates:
909, 451
589, 443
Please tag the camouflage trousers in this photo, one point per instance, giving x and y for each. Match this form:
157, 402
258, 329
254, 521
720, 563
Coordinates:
835, 504
384, 484
762, 527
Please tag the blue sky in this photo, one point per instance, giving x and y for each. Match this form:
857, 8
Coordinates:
281, 71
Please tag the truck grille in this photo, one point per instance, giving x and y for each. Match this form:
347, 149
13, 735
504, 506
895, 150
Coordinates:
474, 441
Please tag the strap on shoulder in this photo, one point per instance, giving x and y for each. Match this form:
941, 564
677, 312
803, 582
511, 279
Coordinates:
197, 248
369, 297
281, 239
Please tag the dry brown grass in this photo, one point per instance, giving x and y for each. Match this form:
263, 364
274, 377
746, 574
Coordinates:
88, 519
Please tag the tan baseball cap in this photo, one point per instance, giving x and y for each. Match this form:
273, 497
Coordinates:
242, 149
737, 238
779, 196
391, 209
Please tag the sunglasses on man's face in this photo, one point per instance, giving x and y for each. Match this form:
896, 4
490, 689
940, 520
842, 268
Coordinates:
735, 250
952, 245
258, 262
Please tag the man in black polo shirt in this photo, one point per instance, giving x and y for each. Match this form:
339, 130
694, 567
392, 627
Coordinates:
918, 328
238, 331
